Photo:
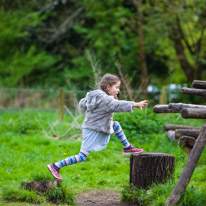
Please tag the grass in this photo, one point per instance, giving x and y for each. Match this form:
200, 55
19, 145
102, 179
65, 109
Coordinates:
30, 140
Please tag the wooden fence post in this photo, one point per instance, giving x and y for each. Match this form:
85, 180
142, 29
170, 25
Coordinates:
61, 104
163, 96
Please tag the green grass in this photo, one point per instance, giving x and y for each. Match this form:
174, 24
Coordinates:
30, 140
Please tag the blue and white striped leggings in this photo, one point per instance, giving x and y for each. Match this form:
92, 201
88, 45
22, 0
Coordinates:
83, 154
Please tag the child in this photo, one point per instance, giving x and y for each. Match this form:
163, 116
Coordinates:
98, 125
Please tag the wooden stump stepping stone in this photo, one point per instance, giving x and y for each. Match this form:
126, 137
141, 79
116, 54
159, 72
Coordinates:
148, 168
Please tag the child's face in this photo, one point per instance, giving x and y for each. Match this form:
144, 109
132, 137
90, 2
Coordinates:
114, 89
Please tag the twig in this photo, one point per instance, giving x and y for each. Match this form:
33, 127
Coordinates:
75, 121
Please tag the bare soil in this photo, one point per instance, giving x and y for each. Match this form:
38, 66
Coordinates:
101, 198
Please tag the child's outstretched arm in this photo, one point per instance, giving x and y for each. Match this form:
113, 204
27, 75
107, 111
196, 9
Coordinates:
140, 104
114, 105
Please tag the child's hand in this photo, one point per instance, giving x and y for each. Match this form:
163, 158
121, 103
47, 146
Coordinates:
140, 104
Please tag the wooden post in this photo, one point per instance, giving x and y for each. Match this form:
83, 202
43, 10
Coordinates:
174, 127
163, 96
194, 113
188, 132
187, 142
148, 168
188, 169
178, 107
199, 84
61, 104
191, 91
162, 109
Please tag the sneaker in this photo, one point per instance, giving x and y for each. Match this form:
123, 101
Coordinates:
54, 171
132, 150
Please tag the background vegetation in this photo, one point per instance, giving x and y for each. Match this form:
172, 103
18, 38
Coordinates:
46, 43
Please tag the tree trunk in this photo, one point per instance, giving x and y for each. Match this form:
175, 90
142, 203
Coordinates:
188, 169
148, 168
188, 132
174, 127
194, 113
199, 84
180, 43
142, 58
41, 186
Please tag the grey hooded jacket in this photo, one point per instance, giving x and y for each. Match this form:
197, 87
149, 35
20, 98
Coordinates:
100, 108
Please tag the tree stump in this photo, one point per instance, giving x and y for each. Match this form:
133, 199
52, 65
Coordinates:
40, 186
148, 168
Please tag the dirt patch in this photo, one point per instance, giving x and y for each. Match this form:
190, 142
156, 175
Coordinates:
100, 198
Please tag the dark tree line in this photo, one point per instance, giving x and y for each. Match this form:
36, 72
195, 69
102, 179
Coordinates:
46, 43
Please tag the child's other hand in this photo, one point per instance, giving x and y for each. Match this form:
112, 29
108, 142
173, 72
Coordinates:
140, 104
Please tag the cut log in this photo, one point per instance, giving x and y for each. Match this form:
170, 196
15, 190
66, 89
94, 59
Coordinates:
178, 107
41, 186
199, 84
193, 113
174, 127
171, 135
162, 108
187, 132
189, 168
188, 150
191, 91
148, 168
186, 141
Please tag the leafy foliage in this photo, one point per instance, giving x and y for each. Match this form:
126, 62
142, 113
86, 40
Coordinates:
48, 41
20, 58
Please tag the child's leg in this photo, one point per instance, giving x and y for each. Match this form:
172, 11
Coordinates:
120, 134
55, 167
128, 148
72, 159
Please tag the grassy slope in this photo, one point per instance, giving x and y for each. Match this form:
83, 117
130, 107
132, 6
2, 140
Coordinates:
28, 144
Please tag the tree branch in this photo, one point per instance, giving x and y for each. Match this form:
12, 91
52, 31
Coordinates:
183, 35
65, 26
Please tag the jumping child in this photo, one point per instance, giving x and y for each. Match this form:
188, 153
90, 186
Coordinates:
98, 125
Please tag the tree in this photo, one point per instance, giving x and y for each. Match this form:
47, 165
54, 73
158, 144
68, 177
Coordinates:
19, 58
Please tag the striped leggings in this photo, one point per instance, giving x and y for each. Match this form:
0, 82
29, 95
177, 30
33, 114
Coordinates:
83, 154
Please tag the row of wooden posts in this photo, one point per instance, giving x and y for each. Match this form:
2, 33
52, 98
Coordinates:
186, 135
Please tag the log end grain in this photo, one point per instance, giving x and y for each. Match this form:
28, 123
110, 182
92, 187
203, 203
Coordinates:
187, 141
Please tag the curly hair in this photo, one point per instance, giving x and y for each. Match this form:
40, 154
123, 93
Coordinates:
108, 80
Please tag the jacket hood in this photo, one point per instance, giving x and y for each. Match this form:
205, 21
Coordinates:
94, 98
